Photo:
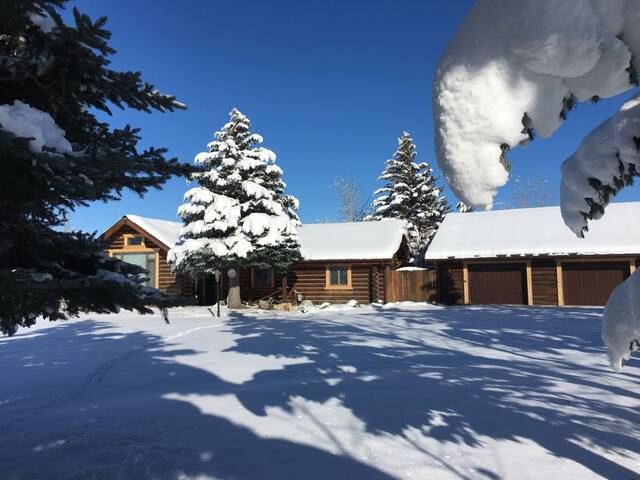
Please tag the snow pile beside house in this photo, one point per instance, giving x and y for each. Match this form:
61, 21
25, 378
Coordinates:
24, 121
504, 78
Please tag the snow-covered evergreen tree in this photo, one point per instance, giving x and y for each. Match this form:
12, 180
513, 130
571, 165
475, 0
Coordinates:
410, 194
239, 215
56, 155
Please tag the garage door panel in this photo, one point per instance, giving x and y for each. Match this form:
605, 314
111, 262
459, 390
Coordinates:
497, 283
591, 283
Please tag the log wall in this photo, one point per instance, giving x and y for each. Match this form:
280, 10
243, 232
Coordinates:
309, 278
544, 282
451, 283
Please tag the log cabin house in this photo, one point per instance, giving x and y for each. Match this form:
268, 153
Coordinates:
529, 257
341, 261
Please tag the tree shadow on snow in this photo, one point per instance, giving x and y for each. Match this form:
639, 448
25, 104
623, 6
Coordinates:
401, 382
86, 431
386, 375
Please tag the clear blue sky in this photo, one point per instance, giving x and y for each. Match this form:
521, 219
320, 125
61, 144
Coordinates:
329, 84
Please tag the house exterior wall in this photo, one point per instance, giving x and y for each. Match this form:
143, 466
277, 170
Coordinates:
543, 276
309, 279
451, 282
167, 282
544, 282
368, 279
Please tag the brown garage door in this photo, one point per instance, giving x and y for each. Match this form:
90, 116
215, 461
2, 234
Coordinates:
591, 283
497, 283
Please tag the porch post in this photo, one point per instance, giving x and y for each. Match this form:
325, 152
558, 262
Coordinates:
284, 287
465, 283
559, 284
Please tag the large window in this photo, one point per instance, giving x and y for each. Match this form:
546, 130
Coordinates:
262, 278
338, 276
146, 260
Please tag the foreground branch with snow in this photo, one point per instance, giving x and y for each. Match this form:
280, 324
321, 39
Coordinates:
501, 82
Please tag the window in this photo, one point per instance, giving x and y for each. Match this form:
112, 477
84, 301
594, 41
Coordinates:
262, 278
338, 276
134, 240
144, 260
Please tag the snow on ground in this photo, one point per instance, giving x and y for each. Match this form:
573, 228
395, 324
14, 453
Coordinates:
401, 391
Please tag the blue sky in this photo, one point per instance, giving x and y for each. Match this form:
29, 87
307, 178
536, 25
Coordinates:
329, 84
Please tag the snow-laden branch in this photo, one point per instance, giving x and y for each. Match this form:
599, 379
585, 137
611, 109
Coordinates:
507, 77
24, 121
606, 162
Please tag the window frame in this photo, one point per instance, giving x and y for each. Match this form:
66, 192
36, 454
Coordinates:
272, 282
142, 248
329, 286
128, 236
151, 258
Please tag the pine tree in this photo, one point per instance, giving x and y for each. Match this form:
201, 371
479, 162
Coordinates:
239, 216
410, 194
56, 155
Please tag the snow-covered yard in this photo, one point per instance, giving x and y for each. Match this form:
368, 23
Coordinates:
406, 391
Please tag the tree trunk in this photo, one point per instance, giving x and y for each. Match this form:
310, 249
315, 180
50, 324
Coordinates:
285, 298
233, 298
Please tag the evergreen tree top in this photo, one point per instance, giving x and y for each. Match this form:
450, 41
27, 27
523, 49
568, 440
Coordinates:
239, 213
410, 193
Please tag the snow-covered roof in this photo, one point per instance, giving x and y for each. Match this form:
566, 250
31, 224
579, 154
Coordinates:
164, 230
535, 231
351, 241
320, 241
